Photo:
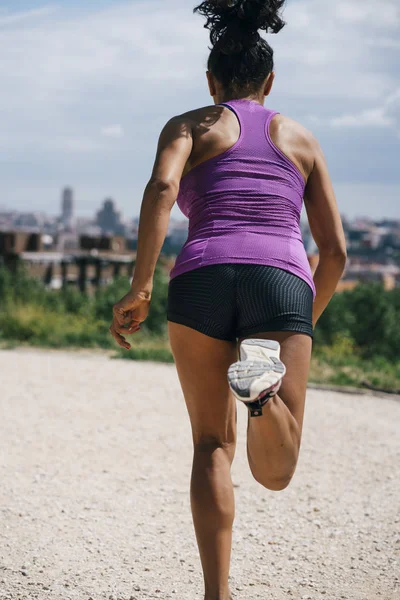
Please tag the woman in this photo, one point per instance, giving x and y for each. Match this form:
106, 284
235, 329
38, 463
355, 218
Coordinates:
240, 172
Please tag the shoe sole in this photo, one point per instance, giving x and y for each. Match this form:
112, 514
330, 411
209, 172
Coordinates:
254, 376
258, 349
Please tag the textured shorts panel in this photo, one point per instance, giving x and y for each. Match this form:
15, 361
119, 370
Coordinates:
230, 301
206, 297
272, 298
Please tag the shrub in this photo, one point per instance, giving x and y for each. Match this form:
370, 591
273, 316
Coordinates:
369, 316
359, 331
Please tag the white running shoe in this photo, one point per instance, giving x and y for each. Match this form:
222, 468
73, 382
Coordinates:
258, 375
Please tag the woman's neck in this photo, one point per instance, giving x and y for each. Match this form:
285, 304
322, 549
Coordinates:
229, 98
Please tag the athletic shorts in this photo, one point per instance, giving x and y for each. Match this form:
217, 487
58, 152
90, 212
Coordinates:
231, 301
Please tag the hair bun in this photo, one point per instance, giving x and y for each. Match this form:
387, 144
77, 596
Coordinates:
234, 24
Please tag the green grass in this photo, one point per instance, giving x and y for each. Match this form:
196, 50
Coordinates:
33, 325
363, 374
340, 364
146, 347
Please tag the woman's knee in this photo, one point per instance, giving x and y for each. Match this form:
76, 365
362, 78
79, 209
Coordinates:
273, 482
210, 446
278, 484
210, 443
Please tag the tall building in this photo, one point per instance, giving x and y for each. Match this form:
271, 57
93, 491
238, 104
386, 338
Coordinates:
109, 219
67, 208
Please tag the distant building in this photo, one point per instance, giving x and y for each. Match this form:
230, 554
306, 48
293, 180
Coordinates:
178, 233
109, 219
308, 239
67, 208
365, 271
28, 221
83, 260
67, 241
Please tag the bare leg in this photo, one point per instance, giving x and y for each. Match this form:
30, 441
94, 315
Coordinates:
202, 363
273, 440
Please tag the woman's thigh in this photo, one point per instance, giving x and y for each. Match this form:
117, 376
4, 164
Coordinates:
296, 351
202, 363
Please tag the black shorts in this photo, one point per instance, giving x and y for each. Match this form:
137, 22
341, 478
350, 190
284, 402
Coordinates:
232, 301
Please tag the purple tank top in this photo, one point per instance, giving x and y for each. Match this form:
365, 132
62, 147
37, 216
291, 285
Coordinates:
244, 205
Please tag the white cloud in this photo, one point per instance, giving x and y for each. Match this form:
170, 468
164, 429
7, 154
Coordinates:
373, 12
72, 80
325, 53
385, 43
113, 131
376, 200
78, 146
374, 118
387, 115
392, 105
140, 57
71, 73
27, 15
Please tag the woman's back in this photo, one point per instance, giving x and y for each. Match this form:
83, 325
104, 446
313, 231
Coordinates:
242, 194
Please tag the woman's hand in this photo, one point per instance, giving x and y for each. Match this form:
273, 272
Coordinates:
129, 313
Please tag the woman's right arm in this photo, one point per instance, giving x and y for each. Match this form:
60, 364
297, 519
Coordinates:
327, 230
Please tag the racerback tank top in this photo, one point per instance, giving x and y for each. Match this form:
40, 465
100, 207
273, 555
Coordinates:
244, 205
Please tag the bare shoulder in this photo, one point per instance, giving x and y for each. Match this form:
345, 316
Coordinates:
177, 127
297, 142
176, 122
191, 123
203, 118
292, 131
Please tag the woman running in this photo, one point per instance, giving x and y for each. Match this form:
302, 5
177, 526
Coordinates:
242, 285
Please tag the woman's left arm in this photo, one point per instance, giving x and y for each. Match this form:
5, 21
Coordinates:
174, 149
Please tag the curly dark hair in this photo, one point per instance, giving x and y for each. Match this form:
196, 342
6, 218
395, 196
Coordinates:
240, 58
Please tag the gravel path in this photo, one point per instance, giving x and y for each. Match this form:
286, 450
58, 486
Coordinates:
94, 471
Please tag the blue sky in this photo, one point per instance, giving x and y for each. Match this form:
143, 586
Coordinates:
86, 88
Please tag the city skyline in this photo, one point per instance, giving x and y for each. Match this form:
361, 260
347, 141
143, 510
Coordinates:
77, 116
84, 210
373, 245
176, 214
107, 217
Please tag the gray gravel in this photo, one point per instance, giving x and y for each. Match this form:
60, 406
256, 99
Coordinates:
95, 466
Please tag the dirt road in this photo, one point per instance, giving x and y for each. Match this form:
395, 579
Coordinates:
95, 466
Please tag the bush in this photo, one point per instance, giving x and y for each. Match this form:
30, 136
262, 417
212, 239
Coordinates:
368, 316
156, 323
336, 320
356, 340
31, 313
376, 330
